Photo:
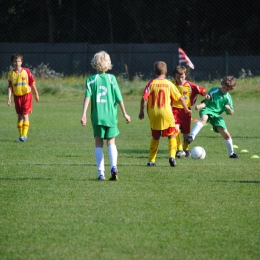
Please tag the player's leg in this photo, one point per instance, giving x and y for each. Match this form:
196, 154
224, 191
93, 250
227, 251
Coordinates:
154, 143
228, 140
179, 148
196, 128
111, 133
98, 135
185, 128
186, 146
26, 110
172, 143
26, 125
20, 126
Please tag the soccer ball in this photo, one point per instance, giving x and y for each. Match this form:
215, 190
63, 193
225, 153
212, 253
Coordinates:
198, 153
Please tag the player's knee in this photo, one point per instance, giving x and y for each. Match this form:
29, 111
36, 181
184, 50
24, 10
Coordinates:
226, 136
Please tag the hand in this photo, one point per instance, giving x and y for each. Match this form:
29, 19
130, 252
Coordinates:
37, 97
207, 96
83, 121
141, 115
9, 102
189, 112
127, 118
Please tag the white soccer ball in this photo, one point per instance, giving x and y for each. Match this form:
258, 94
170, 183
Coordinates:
198, 153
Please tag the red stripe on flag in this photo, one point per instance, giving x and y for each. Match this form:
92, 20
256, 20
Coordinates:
184, 58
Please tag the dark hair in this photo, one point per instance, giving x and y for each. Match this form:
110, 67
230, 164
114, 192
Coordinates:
180, 70
160, 67
15, 56
229, 81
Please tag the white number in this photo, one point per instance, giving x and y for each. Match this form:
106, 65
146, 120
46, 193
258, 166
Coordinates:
99, 100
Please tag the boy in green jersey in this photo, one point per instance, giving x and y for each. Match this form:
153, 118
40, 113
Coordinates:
210, 111
103, 92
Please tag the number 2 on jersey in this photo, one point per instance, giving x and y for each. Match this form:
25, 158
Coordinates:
103, 93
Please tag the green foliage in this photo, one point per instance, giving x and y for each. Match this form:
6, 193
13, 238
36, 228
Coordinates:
52, 207
74, 85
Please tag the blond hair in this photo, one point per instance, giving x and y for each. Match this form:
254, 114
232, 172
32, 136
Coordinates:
101, 61
229, 81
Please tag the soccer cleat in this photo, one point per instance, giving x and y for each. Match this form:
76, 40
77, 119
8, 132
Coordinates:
101, 178
188, 154
23, 139
189, 139
180, 154
172, 162
234, 156
151, 164
114, 173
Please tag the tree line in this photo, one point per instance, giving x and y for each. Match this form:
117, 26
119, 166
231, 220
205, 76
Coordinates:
200, 27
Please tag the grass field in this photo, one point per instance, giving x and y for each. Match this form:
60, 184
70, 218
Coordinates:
52, 207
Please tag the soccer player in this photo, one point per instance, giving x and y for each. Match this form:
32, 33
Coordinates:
20, 83
211, 110
103, 92
189, 92
157, 96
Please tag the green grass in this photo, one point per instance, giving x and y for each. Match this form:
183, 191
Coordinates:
52, 207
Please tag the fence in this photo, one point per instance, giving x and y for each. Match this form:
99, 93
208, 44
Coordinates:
128, 59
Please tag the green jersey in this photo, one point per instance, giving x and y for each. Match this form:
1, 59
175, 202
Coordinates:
104, 93
216, 105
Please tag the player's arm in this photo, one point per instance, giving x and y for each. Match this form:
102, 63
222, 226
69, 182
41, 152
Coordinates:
230, 111
200, 106
186, 109
35, 91
125, 115
9, 95
206, 95
142, 106
84, 113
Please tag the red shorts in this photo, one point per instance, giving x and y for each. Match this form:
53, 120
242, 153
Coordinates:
183, 119
23, 104
163, 133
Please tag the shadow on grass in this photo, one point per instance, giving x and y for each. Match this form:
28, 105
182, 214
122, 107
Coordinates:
243, 181
49, 179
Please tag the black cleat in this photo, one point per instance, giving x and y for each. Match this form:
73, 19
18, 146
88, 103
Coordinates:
172, 162
234, 156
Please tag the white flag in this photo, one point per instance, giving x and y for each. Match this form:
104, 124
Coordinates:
184, 58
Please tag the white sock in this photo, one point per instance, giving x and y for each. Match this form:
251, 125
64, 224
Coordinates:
100, 160
229, 145
196, 128
112, 152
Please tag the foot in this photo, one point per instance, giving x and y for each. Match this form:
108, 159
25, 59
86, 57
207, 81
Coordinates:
180, 154
23, 139
151, 164
172, 162
234, 156
189, 139
101, 178
114, 173
188, 154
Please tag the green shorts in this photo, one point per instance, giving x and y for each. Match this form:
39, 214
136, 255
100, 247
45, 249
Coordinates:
105, 132
214, 120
